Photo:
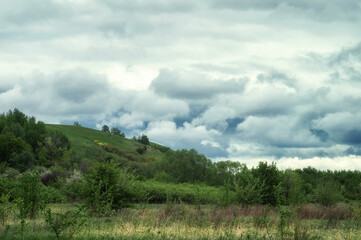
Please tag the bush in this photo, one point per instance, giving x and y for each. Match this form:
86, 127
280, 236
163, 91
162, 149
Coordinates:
249, 192
159, 192
52, 195
328, 193
5, 208
30, 198
143, 139
107, 188
74, 191
141, 150
65, 224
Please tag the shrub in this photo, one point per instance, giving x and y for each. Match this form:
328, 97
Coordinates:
107, 188
5, 208
143, 139
29, 196
52, 195
65, 224
141, 150
328, 193
249, 191
74, 191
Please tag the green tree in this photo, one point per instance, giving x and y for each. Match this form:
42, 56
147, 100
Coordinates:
76, 124
185, 166
106, 129
269, 175
107, 188
293, 186
248, 188
22, 161
328, 193
9, 144
54, 146
116, 131
143, 139
29, 196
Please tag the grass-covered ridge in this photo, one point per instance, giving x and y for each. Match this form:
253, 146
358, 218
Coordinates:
82, 142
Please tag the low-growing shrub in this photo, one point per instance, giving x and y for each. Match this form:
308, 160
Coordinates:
29, 197
107, 188
65, 224
5, 208
74, 191
53, 195
160, 192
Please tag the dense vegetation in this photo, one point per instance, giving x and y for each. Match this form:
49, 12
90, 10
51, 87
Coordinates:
106, 172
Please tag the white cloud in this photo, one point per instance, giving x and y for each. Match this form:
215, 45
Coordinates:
188, 72
323, 163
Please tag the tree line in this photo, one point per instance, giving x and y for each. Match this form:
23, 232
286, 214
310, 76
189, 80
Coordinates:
29, 151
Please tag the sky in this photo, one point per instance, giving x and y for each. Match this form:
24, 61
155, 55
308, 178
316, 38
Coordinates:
244, 80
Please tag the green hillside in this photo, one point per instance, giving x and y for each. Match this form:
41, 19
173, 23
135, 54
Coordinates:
84, 145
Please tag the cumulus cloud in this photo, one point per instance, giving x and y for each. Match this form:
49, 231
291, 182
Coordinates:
187, 136
192, 85
238, 79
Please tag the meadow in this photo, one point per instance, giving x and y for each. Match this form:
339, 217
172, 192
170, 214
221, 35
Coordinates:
185, 221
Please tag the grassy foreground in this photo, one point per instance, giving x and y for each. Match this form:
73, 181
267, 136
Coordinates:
182, 221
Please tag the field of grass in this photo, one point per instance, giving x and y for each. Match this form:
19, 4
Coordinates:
182, 221
82, 142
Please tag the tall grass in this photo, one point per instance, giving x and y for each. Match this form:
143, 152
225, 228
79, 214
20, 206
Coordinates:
184, 221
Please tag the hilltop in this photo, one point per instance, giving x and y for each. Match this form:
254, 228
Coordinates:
90, 144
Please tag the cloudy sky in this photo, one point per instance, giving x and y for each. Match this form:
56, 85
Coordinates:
244, 80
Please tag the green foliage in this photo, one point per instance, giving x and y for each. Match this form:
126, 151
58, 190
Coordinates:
262, 221
76, 124
284, 220
328, 193
161, 148
29, 196
226, 197
9, 144
22, 161
185, 166
52, 195
65, 225
19, 139
269, 175
293, 187
160, 192
106, 129
141, 150
143, 139
107, 188
5, 208
116, 131
53, 148
249, 189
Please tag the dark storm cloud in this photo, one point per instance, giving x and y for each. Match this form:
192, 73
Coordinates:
251, 78
78, 85
188, 85
352, 136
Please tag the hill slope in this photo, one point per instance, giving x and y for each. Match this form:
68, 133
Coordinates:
125, 150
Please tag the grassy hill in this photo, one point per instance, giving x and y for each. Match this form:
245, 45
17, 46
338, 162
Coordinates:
83, 143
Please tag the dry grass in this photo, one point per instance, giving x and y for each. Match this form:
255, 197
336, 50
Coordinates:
182, 221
